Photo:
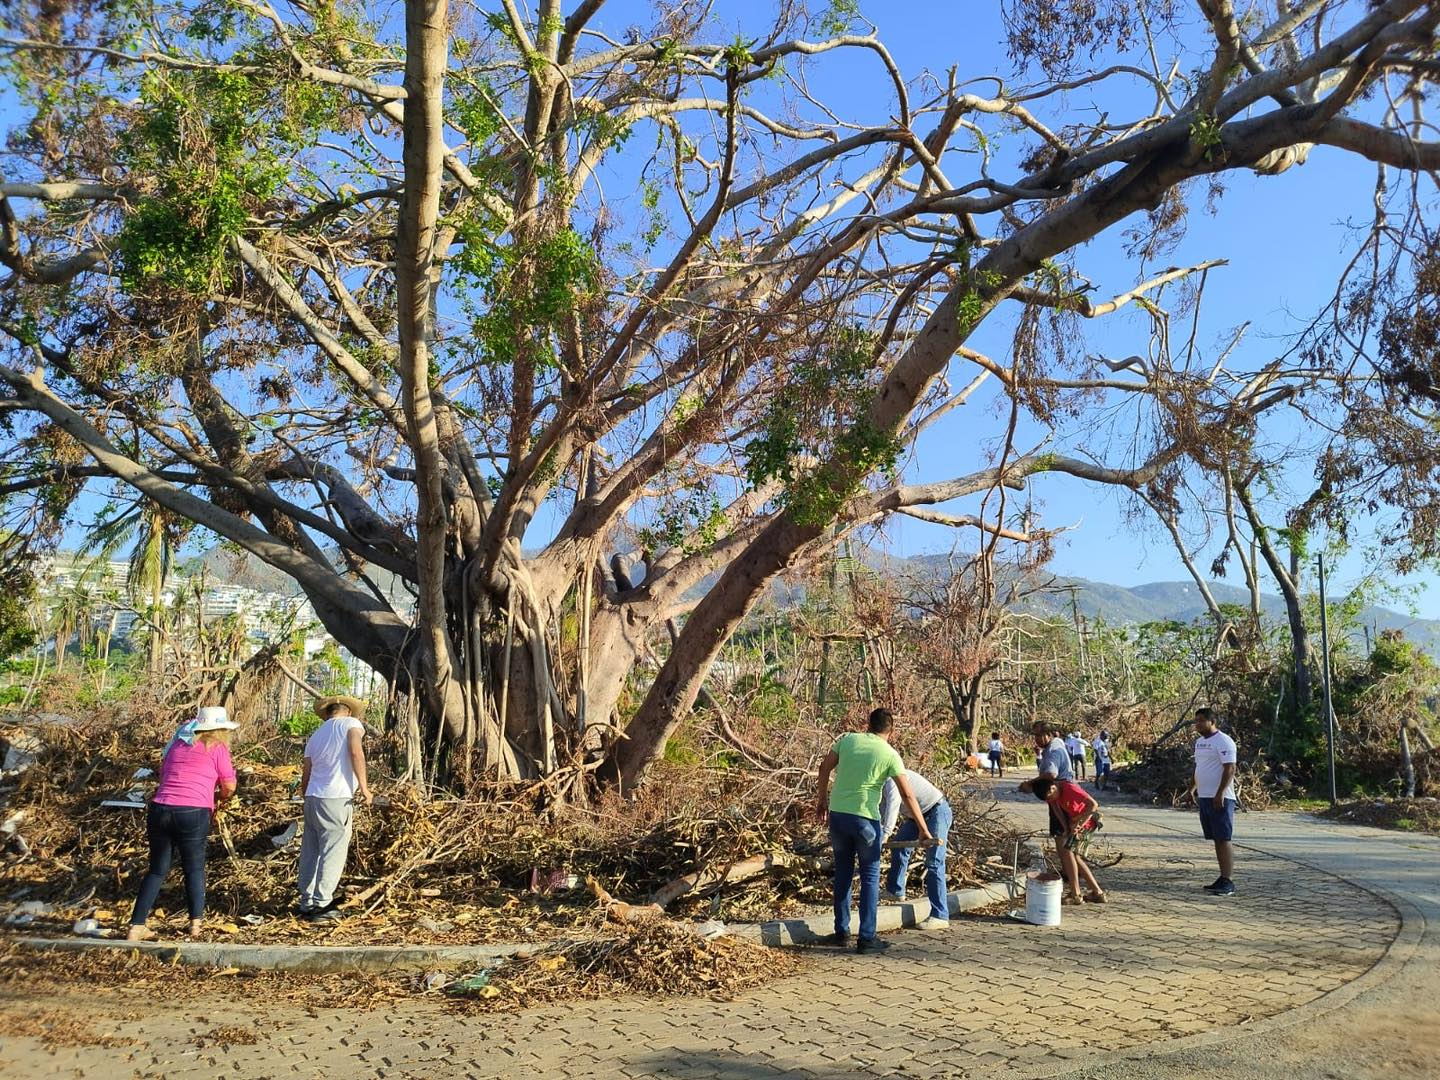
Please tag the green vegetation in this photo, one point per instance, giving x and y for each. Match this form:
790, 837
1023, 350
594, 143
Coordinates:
820, 414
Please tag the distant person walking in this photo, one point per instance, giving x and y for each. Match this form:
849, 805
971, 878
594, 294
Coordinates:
936, 817
196, 764
1075, 746
861, 762
1101, 746
1214, 790
333, 772
997, 755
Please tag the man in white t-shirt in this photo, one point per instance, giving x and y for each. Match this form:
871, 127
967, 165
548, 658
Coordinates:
1075, 746
1101, 745
1214, 791
334, 770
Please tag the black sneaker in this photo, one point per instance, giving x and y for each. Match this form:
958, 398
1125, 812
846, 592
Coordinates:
1223, 888
1214, 884
839, 938
324, 915
869, 945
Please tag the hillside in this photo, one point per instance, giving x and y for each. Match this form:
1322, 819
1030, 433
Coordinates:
1156, 601
1181, 601
1178, 601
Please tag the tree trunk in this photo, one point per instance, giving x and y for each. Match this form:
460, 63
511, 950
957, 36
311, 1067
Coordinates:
705, 633
957, 704
105, 649
157, 642
1290, 593
974, 712
1406, 761
426, 43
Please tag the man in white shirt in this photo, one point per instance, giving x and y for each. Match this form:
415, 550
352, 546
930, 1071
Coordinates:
935, 809
1214, 791
1101, 745
1075, 746
334, 770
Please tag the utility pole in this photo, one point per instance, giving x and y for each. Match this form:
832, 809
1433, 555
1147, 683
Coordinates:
1325, 676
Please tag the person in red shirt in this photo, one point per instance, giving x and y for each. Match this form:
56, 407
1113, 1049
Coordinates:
1079, 815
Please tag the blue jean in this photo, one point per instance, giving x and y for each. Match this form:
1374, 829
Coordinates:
937, 820
172, 828
856, 838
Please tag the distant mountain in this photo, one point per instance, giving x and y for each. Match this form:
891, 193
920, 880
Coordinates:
1156, 601
232, 566
1179, 601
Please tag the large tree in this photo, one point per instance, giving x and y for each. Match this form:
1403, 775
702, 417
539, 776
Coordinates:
574, 331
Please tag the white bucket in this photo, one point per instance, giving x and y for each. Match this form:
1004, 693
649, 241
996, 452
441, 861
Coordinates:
1042, 900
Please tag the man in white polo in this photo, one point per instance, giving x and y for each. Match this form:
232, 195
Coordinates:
334, 770
1214, 792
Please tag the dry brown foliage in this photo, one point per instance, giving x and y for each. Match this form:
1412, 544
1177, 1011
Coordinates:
649, 956
437, 871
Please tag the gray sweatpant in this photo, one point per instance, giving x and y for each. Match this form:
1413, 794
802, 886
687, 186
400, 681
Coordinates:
323, 847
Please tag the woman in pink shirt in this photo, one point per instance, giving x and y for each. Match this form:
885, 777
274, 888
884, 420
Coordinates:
196, 763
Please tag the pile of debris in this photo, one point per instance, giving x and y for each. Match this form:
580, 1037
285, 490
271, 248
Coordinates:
649, 955
27, 975
712, 844
653, 957
1163, 777
1403, 815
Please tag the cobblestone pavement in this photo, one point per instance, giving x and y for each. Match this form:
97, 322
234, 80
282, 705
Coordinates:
1161, 961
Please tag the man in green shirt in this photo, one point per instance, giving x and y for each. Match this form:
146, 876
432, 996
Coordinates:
861, 763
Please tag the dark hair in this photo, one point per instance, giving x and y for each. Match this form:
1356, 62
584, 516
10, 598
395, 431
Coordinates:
1042, 727
1104, 734
1042, 786
881, 721
1204, 713
994, 734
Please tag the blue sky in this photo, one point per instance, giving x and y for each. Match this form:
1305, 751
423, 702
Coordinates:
1287, 240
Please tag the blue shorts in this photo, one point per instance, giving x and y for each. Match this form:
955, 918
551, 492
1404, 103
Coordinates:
1102, 768
1217, 824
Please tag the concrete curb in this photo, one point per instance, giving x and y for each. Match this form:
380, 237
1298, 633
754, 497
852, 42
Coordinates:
313, 959
812, 929
378, 959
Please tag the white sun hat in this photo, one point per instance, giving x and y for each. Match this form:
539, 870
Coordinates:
213, 718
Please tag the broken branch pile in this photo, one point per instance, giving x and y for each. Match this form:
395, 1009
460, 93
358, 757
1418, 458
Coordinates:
650, 956
728, 843
1163, 777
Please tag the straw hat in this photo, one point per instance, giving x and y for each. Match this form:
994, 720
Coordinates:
355, 705
213, 718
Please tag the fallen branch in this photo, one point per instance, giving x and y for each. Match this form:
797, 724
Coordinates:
705, 882
619, 910
297, 680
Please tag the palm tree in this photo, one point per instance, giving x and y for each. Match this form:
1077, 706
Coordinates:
111, 601
72, 618
155, 535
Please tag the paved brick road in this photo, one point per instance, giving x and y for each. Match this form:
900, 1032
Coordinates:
1161, 961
